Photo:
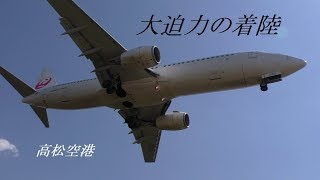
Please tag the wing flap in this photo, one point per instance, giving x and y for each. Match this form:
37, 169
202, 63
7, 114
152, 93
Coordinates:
141, 121
80, 41
86, 33
149, 138
95, 43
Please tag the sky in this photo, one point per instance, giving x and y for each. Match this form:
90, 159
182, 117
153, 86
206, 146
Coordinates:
242, 134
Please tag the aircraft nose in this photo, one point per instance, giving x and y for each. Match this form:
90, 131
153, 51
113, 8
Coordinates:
292, 64
298, 63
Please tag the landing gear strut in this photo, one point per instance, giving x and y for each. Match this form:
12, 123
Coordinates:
114, 86
127, 104
120, 92
269, 78
109, 87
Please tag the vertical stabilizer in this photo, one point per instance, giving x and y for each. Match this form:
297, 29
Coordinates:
46, 80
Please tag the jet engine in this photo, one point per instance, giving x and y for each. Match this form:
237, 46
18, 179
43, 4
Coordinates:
142, 57
173, 121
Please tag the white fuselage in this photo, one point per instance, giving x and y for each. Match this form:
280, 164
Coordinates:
217, 73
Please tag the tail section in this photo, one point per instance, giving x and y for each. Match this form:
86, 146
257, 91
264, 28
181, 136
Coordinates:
25, 91
42, 114
19, 85
46, 80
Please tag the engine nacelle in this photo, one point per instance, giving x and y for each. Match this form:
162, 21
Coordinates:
143, 57
173, 121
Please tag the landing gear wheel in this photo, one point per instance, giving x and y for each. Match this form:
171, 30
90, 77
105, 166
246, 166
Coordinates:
120, 92
127, 104
110, 90
264, 87
106, 84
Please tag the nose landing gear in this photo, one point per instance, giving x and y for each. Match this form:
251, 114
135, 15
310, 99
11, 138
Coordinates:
264, 86
269, 78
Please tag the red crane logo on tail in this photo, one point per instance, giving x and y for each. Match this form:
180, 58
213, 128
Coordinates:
43, 83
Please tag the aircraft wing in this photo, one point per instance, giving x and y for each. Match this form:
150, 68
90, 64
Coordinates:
94, 42
142, 123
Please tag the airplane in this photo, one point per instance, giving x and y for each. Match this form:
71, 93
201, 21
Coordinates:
134, 83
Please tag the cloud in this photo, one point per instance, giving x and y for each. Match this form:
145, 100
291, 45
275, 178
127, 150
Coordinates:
7, 148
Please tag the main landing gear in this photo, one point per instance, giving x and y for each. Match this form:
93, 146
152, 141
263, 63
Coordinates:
114, 87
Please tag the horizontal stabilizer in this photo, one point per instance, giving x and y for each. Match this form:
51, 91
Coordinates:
19, 85
25, 91
42, 114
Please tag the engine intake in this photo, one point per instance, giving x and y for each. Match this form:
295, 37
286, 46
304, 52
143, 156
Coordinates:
173, 121
143, 57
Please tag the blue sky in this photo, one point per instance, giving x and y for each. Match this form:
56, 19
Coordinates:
241, 134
